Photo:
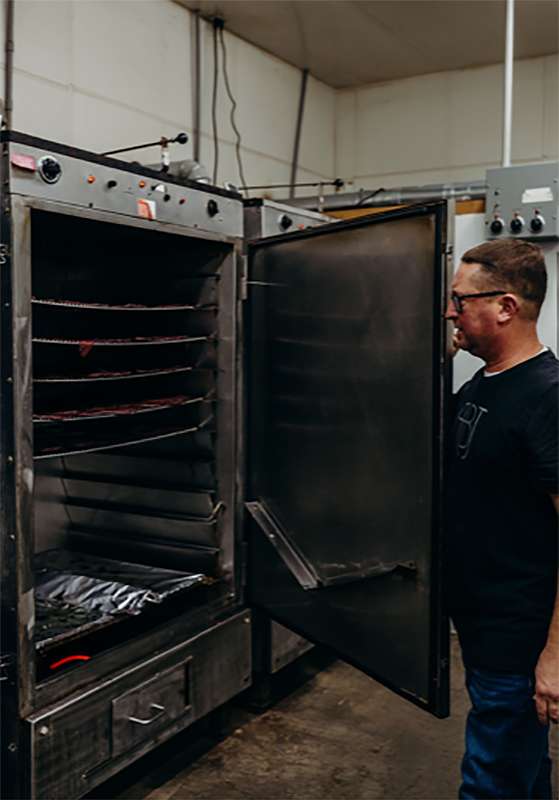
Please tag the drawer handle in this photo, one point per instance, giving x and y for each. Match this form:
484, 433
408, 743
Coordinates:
160, 711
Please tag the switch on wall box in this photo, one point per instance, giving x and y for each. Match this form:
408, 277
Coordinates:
523, 202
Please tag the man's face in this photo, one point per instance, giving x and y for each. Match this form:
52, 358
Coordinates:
476, 325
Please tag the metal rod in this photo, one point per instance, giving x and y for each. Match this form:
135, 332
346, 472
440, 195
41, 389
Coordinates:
406, 194
145, 340
337, 183
135, 147
298, 127
9, 62
181, 138
196, 89
94, 448
508, 84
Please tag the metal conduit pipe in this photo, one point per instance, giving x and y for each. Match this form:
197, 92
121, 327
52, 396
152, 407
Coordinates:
9, 63
371, 198
508, 84
196, 89
298, 127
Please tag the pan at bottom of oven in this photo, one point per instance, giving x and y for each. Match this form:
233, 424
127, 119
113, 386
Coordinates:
76, 593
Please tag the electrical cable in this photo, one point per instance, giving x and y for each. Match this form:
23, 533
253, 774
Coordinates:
214, 106
233, 109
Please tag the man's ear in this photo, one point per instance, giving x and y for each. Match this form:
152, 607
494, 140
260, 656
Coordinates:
509, 307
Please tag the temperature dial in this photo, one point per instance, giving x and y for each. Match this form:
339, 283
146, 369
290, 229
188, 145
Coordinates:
49, 169
497, 226
537, 223
285, 222
212, 208
516, 224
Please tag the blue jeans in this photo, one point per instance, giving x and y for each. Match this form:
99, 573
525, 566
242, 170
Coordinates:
506, 746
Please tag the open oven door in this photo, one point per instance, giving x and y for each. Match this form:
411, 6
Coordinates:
346, 396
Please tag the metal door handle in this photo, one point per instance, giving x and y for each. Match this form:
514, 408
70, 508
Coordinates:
160, 711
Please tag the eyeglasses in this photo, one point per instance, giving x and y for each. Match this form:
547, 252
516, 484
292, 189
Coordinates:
457, 299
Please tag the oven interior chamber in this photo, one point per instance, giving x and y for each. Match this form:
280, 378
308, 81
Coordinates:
133, 430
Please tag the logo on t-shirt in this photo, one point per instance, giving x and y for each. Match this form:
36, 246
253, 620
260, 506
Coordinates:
466, 424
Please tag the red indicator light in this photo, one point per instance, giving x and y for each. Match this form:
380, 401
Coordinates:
91, 178
141, 184
67, 660
23, 162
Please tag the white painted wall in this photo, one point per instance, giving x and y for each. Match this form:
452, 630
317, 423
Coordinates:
103, 74
445, 126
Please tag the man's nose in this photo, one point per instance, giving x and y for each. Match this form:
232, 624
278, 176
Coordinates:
450, 312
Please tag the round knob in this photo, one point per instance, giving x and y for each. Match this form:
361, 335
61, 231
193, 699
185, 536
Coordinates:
497, 226
49, 169
111, 184
537, 224
212, 208
516, 224
285, 222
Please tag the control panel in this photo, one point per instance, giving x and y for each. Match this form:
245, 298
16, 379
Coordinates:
64, 178
523, 201
269, 218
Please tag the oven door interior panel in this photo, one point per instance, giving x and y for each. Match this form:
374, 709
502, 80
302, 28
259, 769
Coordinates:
346, 400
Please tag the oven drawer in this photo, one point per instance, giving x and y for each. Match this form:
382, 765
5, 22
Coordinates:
86, 738
140, 712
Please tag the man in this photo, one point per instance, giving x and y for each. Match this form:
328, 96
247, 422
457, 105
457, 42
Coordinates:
502, 525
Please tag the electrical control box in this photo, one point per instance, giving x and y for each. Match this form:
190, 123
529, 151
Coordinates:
522, 201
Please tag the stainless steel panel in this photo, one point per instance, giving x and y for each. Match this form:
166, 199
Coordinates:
73, 187
345, 410
83, 740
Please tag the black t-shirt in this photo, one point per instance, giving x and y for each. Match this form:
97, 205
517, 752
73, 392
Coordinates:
501, 523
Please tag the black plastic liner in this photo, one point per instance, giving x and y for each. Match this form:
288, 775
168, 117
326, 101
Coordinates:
75, 592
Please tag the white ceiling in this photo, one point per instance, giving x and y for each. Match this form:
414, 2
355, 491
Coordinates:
354, 42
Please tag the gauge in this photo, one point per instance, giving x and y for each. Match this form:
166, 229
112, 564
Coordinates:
49, 169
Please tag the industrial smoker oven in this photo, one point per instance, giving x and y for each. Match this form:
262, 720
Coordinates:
137, 505
119, 471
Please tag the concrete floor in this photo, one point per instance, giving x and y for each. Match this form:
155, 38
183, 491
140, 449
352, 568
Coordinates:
339, 736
